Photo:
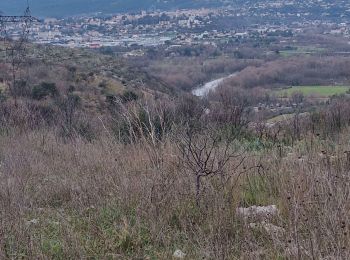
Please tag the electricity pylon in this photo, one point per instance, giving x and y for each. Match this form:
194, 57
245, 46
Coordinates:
14, 49
27, 17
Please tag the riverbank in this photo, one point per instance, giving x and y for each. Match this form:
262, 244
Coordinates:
210, 86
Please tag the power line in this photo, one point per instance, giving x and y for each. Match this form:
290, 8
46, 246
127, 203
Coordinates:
17, 19
25, 18
14, 48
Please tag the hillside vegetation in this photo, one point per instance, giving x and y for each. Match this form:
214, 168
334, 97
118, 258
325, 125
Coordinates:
108, 157
99, 160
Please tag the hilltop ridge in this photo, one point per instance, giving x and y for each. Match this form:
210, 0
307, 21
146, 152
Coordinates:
54, 8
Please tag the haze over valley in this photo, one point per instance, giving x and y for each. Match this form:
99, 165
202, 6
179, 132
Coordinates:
54, 8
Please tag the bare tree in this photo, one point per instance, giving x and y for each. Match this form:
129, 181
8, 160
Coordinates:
207, 151
14, 42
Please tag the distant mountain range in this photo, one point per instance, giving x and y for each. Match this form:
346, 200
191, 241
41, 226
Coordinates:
59, 8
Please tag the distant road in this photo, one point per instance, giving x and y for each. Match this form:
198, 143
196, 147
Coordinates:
212, 85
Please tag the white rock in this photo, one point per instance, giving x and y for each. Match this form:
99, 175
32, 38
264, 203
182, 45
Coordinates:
258, 212
33, 222
254, 225
269, 228
290, 155
274, 230
179, 254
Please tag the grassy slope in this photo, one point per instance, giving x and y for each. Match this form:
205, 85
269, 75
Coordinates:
72, 199
322, 91
107, 200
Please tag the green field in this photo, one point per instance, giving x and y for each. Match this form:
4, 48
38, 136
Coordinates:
320, 91
305, 50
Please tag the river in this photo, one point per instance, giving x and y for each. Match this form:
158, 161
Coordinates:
209, 86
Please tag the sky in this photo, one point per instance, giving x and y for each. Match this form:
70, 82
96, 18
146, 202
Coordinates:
53, 7
59, 8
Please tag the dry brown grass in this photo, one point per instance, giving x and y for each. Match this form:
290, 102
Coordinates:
69, 200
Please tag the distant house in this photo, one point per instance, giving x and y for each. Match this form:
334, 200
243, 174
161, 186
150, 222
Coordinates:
94, 45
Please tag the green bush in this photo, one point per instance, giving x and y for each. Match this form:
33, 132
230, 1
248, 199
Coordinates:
44, 90
129, 96
2, 96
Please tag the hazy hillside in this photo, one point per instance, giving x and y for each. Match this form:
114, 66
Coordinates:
75, 7
61, 8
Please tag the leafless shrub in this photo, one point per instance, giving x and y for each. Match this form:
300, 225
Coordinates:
206, 152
